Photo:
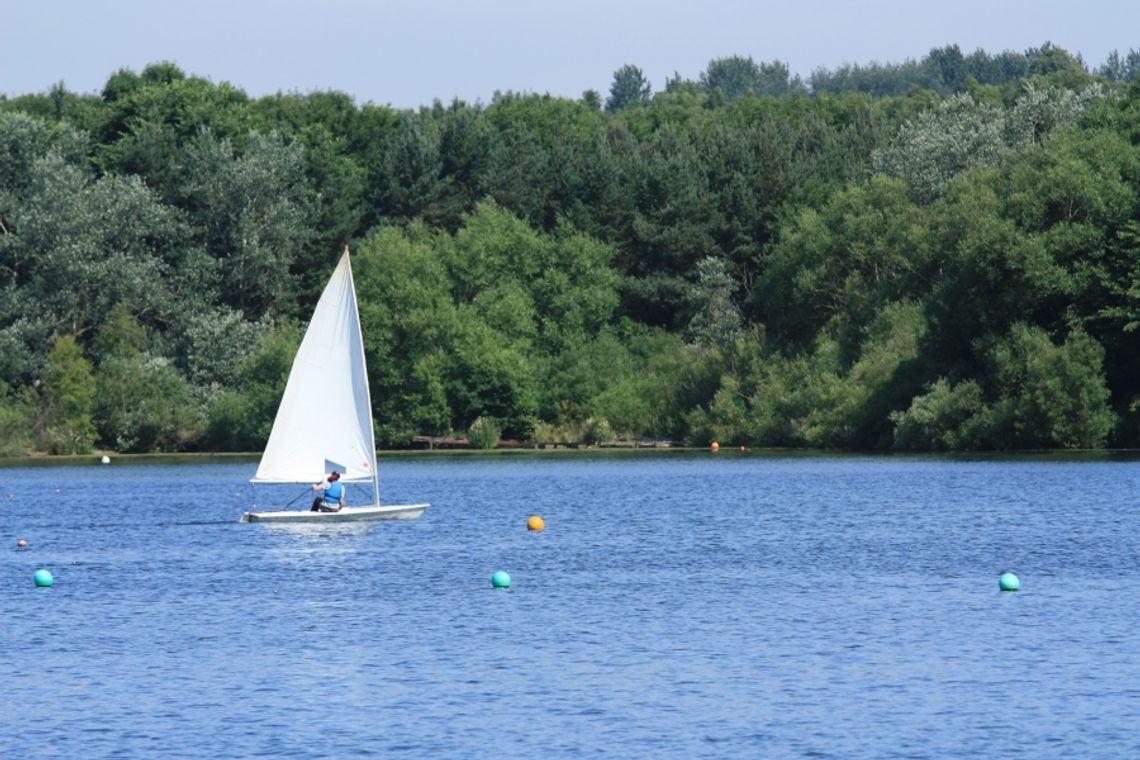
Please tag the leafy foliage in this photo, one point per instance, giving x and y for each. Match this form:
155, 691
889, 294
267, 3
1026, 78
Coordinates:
1049, 396
945, 418
484, 433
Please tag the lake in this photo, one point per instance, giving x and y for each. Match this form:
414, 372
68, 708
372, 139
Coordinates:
677, 605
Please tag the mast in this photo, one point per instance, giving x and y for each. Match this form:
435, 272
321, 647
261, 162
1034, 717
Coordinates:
367, 388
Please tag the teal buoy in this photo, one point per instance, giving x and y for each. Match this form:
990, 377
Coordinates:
1009, 582
43, 579
500, 579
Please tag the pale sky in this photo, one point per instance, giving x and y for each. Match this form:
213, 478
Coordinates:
407, 53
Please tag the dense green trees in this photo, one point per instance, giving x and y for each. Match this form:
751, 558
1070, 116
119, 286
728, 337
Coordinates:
938, 254
1040, 395
476, 317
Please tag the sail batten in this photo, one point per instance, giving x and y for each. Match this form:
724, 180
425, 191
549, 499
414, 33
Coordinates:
325, 413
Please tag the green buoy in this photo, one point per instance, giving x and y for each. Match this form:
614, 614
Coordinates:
500, 579
43, 579
1009, 582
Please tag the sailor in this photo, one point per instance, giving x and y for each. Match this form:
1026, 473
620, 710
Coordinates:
332, 496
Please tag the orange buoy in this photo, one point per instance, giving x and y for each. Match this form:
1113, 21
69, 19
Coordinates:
22, 544
535, 523
714, 446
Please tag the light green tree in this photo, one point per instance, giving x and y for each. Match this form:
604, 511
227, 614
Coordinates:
69, 399
17, 421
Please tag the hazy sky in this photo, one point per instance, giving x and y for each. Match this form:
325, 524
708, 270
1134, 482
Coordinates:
409, 52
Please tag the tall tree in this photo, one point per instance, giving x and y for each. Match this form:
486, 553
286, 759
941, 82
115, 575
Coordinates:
629, 88
716, 320
142, 402
950, 66
17, 421
408, 180
69, 399
1121, 69
735, 76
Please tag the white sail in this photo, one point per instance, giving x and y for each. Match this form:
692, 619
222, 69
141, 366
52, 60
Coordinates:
325, 417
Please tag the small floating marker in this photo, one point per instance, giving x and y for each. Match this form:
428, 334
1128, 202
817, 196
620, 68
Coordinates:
744, 448
21, 544
500, 579
43, 579
535, 523
714, 446
106, 459
1009, 582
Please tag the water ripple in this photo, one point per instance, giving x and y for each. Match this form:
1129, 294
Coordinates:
686, 607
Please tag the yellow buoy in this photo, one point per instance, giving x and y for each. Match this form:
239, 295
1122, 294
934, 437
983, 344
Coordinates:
714, 446
535, 523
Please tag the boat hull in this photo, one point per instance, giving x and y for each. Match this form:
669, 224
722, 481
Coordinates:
347, 514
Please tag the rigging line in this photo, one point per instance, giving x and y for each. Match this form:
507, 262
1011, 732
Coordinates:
307, 490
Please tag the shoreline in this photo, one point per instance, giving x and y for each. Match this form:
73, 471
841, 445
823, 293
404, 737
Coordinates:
223, 457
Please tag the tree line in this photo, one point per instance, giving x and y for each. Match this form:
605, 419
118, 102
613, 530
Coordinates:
934, 255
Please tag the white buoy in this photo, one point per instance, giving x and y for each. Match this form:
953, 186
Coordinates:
106, 459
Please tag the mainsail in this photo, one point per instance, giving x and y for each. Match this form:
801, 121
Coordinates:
325, 417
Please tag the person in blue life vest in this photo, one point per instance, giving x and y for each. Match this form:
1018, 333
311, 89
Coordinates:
332, 496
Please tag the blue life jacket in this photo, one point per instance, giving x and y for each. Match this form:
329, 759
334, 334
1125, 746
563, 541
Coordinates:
333, 492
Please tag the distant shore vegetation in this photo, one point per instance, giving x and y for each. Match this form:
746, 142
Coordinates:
935, 255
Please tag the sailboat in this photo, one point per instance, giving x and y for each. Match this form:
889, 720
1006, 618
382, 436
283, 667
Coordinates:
324, 422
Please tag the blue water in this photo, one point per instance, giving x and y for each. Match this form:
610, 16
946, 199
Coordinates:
674, 607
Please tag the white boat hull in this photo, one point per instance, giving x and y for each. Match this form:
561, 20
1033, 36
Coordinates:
347, 514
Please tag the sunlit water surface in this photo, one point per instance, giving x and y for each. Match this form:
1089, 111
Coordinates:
675, 606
